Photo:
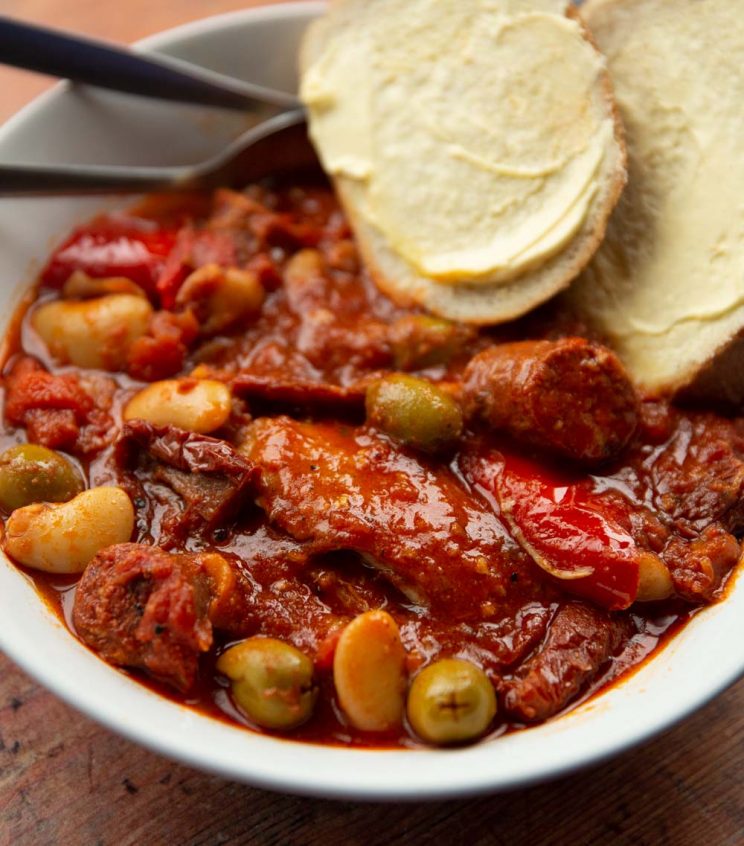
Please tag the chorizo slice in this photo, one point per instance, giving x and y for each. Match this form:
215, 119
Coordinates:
570, 397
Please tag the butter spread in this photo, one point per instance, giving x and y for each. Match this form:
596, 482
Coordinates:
473, 128
667, 285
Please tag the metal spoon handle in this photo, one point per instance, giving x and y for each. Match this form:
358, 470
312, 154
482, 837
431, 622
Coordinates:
41, 180
96, 63
277, 145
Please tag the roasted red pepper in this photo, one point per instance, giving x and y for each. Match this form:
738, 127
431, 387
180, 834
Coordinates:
114, 245
574, 534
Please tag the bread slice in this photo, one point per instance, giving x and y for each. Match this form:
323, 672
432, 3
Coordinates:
475, 147
667, 285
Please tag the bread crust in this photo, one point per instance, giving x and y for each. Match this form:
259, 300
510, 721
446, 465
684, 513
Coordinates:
719, 381
694, 353
484, 303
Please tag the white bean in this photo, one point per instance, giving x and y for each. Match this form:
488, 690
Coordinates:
197, 405
222, 296
80, 286
655, 580
63, 537
303, 279
93, 333
369, 672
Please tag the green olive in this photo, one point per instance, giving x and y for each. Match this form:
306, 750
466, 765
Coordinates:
32, 473
414, 412
272, 682
419, 341
451, 701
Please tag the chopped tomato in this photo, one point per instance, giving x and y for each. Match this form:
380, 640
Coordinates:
162, 352
114, 245
53, 408
28, 386
575, 535
327, 650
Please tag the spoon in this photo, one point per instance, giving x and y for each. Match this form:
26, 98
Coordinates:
103, 65
278, 144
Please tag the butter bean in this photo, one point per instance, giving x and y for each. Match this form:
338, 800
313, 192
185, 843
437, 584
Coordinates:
93, 333
369, 672
305, 280
655, 580
221, 296
81, 286
197, 405
64, 537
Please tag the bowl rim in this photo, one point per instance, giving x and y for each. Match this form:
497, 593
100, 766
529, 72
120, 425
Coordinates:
556, 748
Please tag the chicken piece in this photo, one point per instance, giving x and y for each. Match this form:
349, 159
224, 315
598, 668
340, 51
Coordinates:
338, 324
693, 482
139, 606
342, 488
579, 642
162, 350
570, 397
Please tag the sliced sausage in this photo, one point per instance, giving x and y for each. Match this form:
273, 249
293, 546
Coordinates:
570, 397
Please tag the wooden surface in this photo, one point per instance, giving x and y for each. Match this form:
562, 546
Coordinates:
64, 780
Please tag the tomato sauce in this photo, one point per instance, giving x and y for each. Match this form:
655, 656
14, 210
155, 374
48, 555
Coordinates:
329, 726
505, 549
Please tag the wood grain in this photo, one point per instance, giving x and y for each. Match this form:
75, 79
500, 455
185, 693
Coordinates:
65, 781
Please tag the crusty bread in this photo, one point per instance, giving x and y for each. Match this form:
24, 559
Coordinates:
484, 297
667, 285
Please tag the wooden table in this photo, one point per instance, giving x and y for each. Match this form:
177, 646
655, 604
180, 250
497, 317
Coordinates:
64, 780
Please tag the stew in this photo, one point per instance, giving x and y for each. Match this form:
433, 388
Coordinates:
244, 475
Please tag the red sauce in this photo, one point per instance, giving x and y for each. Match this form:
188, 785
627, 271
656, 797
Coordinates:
328, 725
444, 535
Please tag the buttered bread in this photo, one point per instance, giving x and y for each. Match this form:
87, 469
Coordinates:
666, 288
473, 144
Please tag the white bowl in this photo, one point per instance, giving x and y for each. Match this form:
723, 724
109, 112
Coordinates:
68, 125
